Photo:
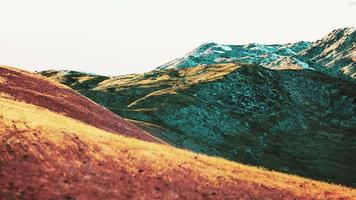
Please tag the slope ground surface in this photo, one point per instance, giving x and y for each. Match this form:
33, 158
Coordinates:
62, 158
38, 90
294, 121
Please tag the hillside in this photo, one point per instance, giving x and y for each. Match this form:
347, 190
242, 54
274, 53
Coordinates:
334, 54
294, 121
38, 90
63, 158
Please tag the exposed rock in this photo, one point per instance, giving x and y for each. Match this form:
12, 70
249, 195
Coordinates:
334, 54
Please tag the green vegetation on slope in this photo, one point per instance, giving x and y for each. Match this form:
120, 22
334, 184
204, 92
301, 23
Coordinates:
294, 121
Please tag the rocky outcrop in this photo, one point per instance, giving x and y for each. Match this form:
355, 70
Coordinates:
335, 54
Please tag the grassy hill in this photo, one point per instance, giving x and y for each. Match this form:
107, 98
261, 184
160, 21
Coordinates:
49, 155
294, 121
38, 90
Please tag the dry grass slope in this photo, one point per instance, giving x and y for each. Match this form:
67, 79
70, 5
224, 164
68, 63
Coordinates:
41, 91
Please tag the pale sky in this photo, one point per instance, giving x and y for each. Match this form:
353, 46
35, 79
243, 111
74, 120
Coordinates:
113, 37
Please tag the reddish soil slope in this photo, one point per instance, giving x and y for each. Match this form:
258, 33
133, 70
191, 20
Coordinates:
38, 90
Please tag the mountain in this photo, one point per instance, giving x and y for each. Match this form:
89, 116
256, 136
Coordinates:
51, 154
213, 53
335, 55
294, 121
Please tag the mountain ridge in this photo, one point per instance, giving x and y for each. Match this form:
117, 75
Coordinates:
337, 60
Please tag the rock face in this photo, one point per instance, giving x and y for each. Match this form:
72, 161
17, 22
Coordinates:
335, 55
296, 121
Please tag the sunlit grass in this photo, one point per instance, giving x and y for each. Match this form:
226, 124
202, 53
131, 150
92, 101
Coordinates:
33, 75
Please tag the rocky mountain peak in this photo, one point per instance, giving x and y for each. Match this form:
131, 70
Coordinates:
334, 55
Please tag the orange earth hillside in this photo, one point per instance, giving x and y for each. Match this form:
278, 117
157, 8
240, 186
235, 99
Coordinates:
38, 90
64, 158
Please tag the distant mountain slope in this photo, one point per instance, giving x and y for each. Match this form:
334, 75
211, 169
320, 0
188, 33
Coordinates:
294, 121
40, 91
46, 155
212, 53
335, 55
